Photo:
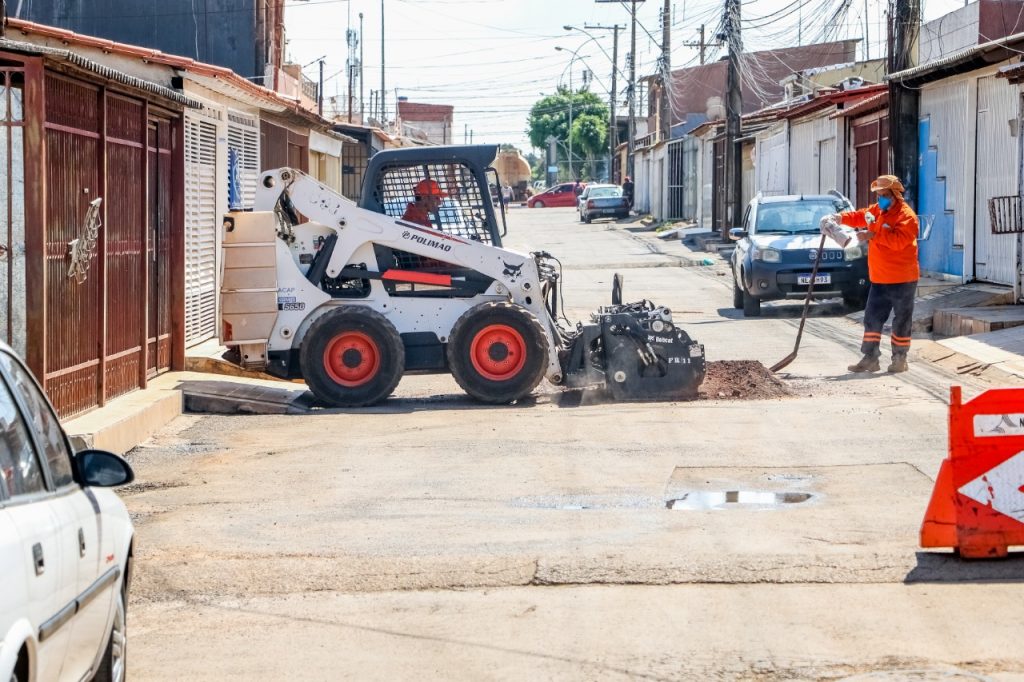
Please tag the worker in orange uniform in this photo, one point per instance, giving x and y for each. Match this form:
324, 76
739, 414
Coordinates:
890, 229
427, 195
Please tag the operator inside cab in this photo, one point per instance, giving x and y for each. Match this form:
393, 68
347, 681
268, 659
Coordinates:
427, 196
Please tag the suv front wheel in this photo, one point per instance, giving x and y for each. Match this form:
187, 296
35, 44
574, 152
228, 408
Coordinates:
737, 295
751, 305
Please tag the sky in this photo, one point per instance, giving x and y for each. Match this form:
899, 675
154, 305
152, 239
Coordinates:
492, 59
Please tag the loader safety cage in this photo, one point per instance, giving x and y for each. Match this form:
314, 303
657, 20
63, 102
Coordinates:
460, 172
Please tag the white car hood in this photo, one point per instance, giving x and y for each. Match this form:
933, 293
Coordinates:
785, 242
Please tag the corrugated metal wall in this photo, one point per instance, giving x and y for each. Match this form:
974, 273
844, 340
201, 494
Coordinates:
773, 161
125, 225
164, 200
947, 105
995, 256
74, 311
691, 161
707, 183
806, 168
104, 335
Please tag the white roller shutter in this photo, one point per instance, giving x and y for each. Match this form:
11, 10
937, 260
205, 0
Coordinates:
201, 225
244, 139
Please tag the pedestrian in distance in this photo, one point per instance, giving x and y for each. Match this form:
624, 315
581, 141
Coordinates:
627, 192
578, 187
890, 228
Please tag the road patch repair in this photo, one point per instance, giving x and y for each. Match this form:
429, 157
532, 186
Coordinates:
725, 380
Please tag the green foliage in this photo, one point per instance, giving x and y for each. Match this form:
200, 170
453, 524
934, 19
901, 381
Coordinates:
549, 116
589, 134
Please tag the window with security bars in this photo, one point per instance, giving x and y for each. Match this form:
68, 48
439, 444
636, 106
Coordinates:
457, 206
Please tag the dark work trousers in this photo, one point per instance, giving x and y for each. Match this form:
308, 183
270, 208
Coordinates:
882, 300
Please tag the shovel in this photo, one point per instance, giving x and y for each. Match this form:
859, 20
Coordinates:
784, 362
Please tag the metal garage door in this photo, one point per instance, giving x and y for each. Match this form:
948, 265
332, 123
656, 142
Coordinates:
200, 228
995, 256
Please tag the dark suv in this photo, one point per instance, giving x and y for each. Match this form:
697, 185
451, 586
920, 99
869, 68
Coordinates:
776, 248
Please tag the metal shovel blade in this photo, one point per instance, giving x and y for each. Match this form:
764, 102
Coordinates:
784, 362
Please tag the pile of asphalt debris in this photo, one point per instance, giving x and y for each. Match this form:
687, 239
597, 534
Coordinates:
740, 380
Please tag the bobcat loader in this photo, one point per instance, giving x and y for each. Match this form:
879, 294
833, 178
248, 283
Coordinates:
349, 297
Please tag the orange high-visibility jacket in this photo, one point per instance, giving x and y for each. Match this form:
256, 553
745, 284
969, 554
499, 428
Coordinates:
892, 252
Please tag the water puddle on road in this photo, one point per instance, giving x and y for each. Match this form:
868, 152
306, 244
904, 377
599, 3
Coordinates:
705, 500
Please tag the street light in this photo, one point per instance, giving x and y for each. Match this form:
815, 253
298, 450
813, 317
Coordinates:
612, 122
572, 174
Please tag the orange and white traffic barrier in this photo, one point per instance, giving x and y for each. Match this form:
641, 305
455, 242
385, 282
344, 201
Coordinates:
977, 506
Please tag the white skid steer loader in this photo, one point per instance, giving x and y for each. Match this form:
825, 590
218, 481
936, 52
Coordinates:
413, 279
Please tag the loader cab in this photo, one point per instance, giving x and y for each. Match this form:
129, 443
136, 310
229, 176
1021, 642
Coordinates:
457, 177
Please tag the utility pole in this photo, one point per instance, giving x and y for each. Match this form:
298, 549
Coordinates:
631, 142
320, 90
702, 44
350, 68
362, 105
465, 133
383, 90
664, 108
613, 124
904, 25
571, 175
867, 42
734, 113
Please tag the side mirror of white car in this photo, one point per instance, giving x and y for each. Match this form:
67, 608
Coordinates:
102, 469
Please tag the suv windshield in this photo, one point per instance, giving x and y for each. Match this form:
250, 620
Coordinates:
792, 217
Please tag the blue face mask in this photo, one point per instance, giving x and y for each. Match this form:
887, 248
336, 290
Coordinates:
884, 203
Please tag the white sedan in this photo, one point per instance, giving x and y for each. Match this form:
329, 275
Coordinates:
65, 544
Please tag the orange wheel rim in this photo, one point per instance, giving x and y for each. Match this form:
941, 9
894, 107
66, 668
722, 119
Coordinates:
352, 359
498, 352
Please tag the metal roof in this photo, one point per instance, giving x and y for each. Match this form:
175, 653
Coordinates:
100, 70
962, 60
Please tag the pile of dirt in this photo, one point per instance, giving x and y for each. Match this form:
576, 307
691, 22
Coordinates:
740, 380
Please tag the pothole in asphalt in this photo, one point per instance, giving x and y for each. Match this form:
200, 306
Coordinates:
704, 500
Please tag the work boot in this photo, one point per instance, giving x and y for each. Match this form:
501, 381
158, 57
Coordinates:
866, 364
899, 364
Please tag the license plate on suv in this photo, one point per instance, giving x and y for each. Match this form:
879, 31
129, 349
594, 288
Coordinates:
820, 279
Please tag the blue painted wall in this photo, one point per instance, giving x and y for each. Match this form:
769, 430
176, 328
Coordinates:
935, 245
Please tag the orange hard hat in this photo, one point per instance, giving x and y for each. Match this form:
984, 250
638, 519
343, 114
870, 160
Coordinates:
425, 188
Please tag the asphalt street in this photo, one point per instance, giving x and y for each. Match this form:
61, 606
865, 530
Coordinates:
433, 537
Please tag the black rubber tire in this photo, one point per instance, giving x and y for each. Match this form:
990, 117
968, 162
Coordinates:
535, 345
588, 220
365, 321
108, 670
751, 305
737, 295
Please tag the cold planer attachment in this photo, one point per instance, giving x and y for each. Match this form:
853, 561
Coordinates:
636, 351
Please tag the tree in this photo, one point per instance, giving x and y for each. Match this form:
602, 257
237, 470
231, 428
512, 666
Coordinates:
549, 116
589, 134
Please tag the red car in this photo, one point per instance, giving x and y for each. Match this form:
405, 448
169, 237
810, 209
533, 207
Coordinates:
559, 195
